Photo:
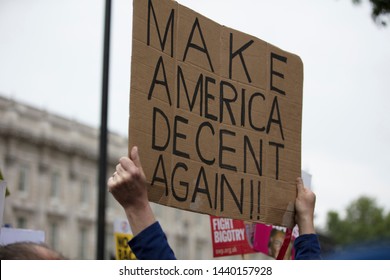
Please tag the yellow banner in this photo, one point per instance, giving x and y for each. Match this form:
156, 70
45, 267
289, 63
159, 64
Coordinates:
123, 251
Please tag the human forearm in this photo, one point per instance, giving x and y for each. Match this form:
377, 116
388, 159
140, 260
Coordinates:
304, 207
306, 225
139, 217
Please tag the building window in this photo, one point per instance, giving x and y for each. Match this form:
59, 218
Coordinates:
21, 222
178, 214
110, 201
83, 243
157, 212
84, 195
199, 249
55, 185
198, 218
110, 252
24, 173
182, 247
53, 235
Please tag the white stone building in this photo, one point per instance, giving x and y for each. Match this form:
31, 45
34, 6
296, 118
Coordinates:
50, 164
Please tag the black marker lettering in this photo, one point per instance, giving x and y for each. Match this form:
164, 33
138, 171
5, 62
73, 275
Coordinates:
277, 146
225, 100
169, 26
258, 162
202, 49
275, 73
160, 164
278, 120
181, 183
222, 148
256, 94
164, 82
200, 155
159, 124
239, 53
239, 203
198, 89
176, 135
202, 176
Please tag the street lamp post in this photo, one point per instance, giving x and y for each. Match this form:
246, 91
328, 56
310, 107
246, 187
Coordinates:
102, 176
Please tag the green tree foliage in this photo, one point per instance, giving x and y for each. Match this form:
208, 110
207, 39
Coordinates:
380, 10
364, 221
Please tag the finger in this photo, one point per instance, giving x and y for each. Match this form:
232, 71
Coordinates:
110, 183
126, 163
300, 186
117, 168
134, 156
120, 169
114, 177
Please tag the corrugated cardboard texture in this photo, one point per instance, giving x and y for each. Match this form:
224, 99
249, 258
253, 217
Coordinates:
216, 115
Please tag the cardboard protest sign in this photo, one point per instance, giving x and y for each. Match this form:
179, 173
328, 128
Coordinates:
231, 237
216, 115
122, 235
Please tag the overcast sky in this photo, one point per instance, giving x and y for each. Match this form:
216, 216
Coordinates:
51, 57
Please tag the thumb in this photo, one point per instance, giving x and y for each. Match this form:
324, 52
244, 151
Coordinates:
134, 156
300, 186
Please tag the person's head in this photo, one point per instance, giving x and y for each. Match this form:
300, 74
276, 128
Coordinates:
28, 251
276, 239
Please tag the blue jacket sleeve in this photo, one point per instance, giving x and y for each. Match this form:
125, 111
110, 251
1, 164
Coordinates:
151, 244
307, 247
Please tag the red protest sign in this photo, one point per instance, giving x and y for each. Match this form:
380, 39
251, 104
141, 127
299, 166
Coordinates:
231, 237
236, 237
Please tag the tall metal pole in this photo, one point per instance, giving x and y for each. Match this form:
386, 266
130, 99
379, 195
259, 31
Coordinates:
101, 211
